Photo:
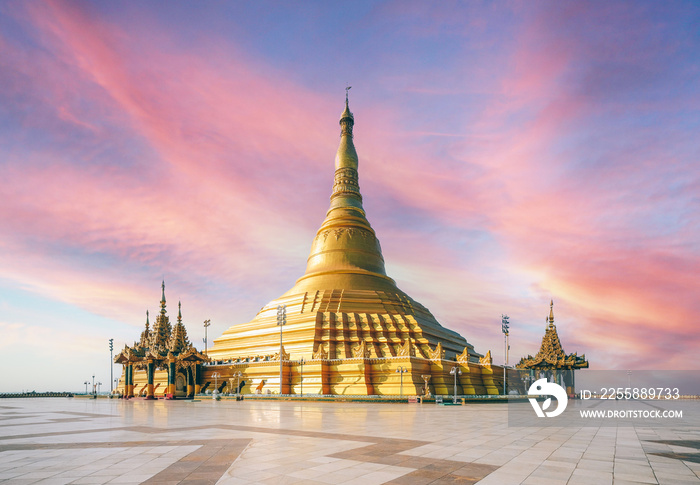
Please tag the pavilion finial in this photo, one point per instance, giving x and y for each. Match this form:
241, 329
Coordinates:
146, 334
162, 300
347, 88
551, 311
179, 311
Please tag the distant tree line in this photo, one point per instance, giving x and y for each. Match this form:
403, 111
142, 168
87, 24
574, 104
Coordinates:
35, 394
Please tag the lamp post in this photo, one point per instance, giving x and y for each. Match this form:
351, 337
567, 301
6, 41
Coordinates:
86, 384
400, 370
93, 385
504, 328
455, 372
301, 375
98, 387
426, 379
216, 376
111, 358
238, 376
527, 378
206, 325
281, 321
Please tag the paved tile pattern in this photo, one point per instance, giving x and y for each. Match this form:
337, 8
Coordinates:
60, 441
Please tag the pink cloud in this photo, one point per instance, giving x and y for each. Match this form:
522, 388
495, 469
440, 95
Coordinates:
207, 122
239, 158
581, 236
204, 205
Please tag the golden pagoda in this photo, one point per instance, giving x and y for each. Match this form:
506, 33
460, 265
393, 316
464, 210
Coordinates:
551, 361
345, 316
345, 328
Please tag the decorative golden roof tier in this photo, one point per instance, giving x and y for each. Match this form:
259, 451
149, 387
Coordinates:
345, 298
551, 354
161, 341
162, 350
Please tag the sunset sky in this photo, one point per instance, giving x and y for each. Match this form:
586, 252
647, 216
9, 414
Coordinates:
510, 153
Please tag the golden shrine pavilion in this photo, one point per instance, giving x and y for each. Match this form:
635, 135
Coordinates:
165, 356
349, 329
551, 361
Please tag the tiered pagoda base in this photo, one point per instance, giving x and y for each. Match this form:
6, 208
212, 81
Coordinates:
340, 377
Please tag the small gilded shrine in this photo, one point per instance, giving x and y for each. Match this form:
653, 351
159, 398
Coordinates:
551, 361
349, 330
164, 356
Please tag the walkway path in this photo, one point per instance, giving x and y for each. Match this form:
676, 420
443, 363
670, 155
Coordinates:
61, 440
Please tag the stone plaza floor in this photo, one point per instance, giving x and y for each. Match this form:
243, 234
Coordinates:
85, 441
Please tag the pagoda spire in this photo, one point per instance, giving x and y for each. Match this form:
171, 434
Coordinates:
347, 120
346, 186
346, 247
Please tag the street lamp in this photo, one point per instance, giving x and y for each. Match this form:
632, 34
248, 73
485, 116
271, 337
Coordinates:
206, 325
86, 384
455, 372
98, 387
504, 328
301, 375
216, 376
111, 361
238, 376
426, 379
93, 385
281, 321
526, 378
400, 370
